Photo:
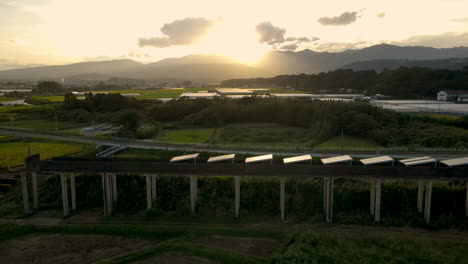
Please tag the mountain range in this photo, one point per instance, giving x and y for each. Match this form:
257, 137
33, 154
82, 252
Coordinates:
213, 68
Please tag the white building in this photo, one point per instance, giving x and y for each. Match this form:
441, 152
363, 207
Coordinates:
453, 95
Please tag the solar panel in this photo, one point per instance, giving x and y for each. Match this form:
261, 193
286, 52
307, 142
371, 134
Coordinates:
420, 162
414, 159
376, 160
456, 162
221, 158
259, 158
185, 157
338, 159
297, 159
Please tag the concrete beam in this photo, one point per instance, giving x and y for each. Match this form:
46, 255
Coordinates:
329, 210
109, 193
63, 180
149, 201
427, 205
378, 195
237, 194
282, 194
34, 190
73, 190
372, 197
421, 185
24, 189
325, 196
193, 193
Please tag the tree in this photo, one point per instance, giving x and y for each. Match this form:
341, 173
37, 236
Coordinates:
130, 121
48, 87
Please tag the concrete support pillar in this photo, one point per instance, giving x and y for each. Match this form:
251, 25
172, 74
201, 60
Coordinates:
24, 189
329, 209
378, 195
237, 194
73, 191
282, 193
114, 187
63, 180
193, 193
109, 193
325, 196
421, 185
149, 201
466, 202
34, 190
153, 188
427, 205
104, 194
372, 197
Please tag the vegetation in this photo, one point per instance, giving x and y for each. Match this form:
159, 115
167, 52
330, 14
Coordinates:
404, 82
199, 135
12, 153
349, 143
41, 125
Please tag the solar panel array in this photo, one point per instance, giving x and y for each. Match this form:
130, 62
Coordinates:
297, 159
339, 159
268, 157
327, 161
456, 162
377, 160
222, 158
185, 157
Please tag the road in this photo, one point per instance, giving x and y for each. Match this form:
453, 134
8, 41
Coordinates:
207, 148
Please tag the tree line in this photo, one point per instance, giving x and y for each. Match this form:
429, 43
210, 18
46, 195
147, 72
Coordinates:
408, 83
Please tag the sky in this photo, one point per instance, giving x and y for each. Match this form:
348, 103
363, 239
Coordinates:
49, 32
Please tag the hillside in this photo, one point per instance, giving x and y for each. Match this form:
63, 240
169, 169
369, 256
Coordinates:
380, 65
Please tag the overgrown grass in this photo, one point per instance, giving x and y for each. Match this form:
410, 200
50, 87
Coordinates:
218, 255
199, 135
54, 99
349, 143
313, 247
12, 154
263, 135
41, 125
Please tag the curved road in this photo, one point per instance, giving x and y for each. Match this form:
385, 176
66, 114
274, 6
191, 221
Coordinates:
207, 148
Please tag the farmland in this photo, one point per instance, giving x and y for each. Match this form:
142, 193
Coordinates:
200, 135
41, 125
12, 153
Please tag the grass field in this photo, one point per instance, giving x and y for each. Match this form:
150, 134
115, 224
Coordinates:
199, 135
5, 99
41, 125
262, 135
349, 143
54, 99
12, 154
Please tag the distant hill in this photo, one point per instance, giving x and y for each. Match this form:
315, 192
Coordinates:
213, 68
307, 61
380, 65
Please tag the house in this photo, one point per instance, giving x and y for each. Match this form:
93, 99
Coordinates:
453, 95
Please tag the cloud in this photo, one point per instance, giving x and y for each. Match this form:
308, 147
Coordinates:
289, 47
461, 20
270, 34
381, 15
445, 40
275, 37
179, 32
342, 20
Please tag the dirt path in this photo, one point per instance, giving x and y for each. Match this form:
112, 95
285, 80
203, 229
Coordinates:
69, 249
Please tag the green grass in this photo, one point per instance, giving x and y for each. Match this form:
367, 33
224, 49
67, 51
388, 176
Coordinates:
313, 247
41, 125
218, 255
6, 99
263, 135
12, 154
199, 135
54, 99
349, 143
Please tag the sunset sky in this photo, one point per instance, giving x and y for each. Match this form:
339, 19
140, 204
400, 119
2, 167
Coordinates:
66, 31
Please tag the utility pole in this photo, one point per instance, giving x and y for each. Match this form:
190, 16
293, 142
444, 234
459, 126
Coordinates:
342, 139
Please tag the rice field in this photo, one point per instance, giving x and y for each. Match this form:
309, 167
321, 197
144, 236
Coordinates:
199, 135
41, 125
